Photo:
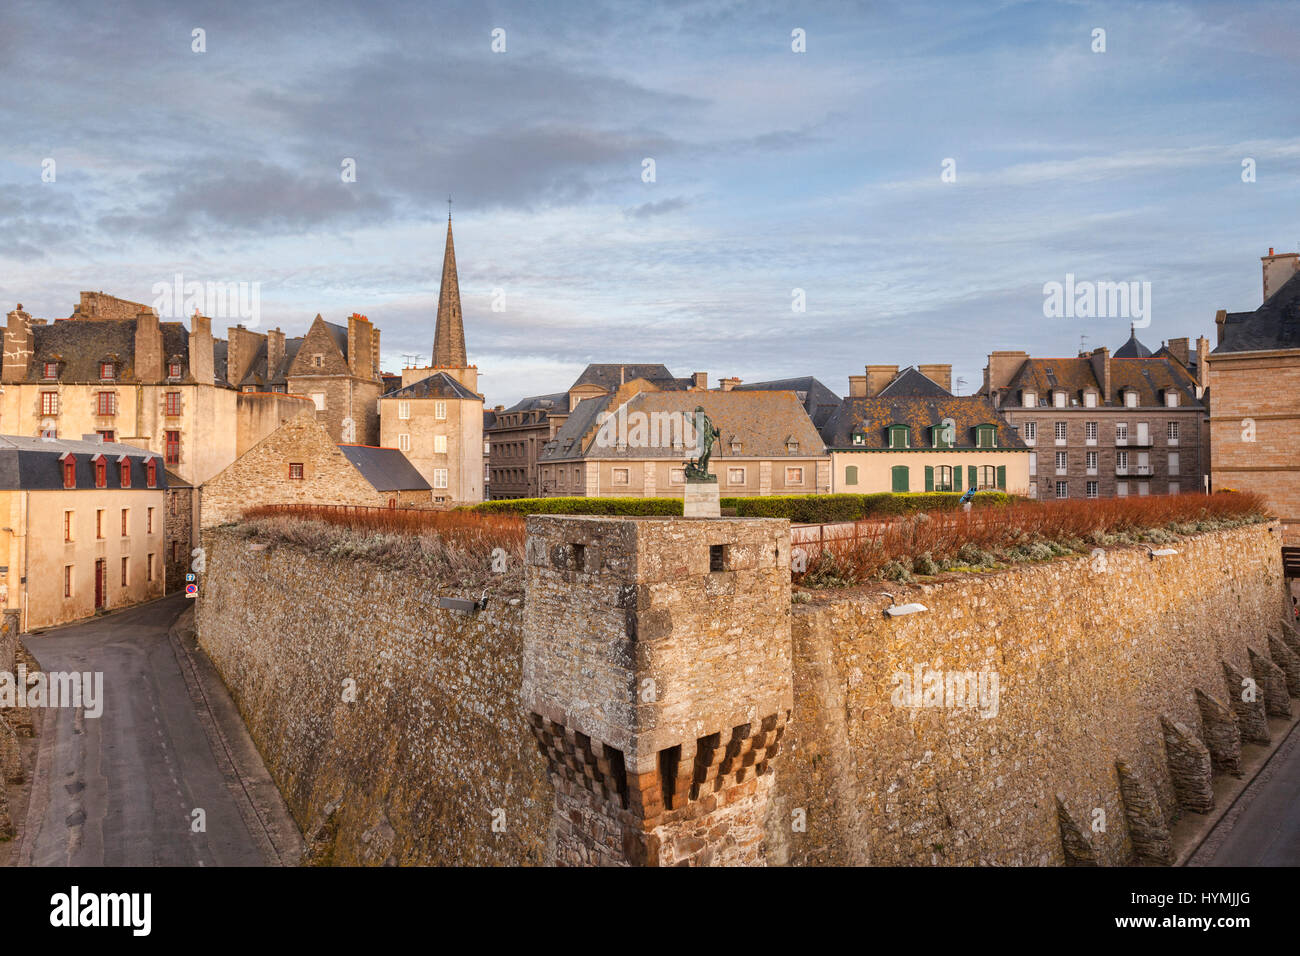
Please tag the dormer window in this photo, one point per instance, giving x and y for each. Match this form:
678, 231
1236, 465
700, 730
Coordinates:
101, 471
1059, 398
107, 371
69, 472
174, 370
50, 370
941, 436
986, 436
735, 446
898, 436
124, 471
151, 472
1171, 398
1130, 399
1028, 399
859, 438
791, 446
1090, 399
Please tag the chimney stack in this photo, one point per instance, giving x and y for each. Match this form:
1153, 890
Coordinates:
1002, 368
857, 386
274, 352
941, 375
202, 364
1202, 362
148, 347
1180, 349
1101, 368
19, 346
878, 376
700, 382
728, 383
1277, 269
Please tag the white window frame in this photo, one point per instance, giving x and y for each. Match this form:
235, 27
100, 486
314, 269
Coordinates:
615, 474
404, 442
1062, 489
1061, 431
440, 410
1090, 462
1059, 399
1091, 489
440, 444
1029, 400
403, 411
794, 481
1030, 432
1174, 463
1130, 399
731, 470
1062, 463
318, 399
1090, 433
440, 477
1171, 433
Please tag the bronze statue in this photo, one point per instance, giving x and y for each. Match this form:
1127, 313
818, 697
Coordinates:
697, 469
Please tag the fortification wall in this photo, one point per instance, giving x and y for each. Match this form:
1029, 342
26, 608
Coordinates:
433, 752
1089, 655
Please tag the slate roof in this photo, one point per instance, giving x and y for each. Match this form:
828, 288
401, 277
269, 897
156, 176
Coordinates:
339, 334
1132, 348
911, 383
762, 421
608, 376
557, 401
220, 358
260, 376
873, 416
387, 469
81, 345
1274, 325
1149, 376
437, 385
818, 400
32, 464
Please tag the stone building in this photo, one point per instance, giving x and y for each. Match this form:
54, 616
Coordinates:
180, 526
300, 463
905, 431
1102, 425
115, 370
1254, 376
633, 442
518, 434
84, 527
436, 417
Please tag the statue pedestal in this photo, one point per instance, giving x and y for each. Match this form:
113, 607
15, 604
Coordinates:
702, 500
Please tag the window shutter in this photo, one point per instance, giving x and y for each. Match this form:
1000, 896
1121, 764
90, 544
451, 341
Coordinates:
956, 477
1002, 477
972, 476
929, 478
900, 478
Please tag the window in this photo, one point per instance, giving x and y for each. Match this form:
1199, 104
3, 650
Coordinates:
794, 476
943, 478
1090, 431
106, 435
1092, 489
1172, 431
1171, 399
1029, 399
1031, 431
440, 444
173, 447
173, 403
1121, 462
859, 439
124, 572
403, 410
125, 523
1060, 433
851, 475
106, 371
403, 442
67, 580
101, 472
49, 403
69, 472
249, 389
99, 522
440, 477
107, 404
67, 526
677, 476
174, 370
1173, 487
151, 473
1058, 399
1090, 462
295, 471
735, 476
940, 436
1121, 432
50, 370
149, 567
1121, 489
318, 360
988, 476
124, 471
1144, 488
172, 548
1062, 462
898, 437
1173, 463
622, 476
1062, 489
986, 436
1089, 399
319, 399
440, 410
148, 521
1130, 399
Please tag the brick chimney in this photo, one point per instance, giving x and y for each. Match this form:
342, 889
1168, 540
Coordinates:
375, 350
700, 382
1002, 368
202, 365
728, 384
19, 345
878, 376
1277, 269
274, 351
857, 386
941, 375
148, 347
1219, 318
1202, 361
1101, 368
1180, 350
361, 360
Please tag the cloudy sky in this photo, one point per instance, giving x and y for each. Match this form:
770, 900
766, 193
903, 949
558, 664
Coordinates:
774, 170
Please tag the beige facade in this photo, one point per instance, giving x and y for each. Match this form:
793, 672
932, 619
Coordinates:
666, 478
869, 472
437, 423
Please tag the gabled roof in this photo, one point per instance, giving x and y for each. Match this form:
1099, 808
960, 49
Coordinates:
911, 383
818, 400
81, 345
34, 464
437, 385
1274, 325
1150, 377
1132, 348
610, 377
763, 422
872, 417
555, 402
339, 333
387, 469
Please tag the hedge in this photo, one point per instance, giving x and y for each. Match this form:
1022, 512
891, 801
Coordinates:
811, 509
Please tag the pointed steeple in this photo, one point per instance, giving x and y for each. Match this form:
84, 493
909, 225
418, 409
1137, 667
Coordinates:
449, 334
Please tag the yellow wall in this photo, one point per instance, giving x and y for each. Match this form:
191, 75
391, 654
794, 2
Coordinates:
463, 428
652, 478
874, 468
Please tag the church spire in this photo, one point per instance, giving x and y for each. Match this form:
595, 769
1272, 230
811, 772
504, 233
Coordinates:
449, 334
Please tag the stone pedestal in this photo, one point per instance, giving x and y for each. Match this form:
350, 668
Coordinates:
657, 682
701, 500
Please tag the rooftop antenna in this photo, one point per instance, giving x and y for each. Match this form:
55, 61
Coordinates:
410, 359
1083, 343
449, 208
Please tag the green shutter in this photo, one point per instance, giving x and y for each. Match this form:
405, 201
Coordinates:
851, 475
929, 478
1002, 477
899, 478
973, 474
956, 477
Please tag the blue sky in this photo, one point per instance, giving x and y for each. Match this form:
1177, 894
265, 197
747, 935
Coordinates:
775, 170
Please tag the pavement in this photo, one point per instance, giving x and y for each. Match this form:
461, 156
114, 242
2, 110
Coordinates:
167, 775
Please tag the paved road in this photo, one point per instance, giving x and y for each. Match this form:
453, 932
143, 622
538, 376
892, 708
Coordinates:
1263, 826
120, 789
